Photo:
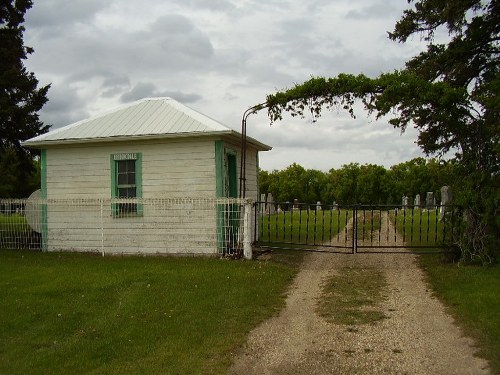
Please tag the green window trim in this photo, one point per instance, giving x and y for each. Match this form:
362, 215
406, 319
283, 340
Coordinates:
43, 173
43, 191
219, 169
115, 207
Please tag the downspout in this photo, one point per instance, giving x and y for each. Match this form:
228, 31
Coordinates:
243, 158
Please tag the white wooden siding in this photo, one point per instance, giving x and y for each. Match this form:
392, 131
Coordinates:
178, 168
165, 227
169, 169
252, 188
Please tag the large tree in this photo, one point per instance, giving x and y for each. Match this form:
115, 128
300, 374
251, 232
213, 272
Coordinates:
20, 96
449, 93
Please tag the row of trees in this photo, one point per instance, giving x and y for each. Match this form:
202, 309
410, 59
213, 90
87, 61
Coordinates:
359, 184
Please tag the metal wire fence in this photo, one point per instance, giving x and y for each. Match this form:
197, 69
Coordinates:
127, 226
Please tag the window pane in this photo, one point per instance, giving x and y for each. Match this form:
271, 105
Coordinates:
122, 166
130, 165
131, 192
127, 192
122, 178
122, 193
130, 180
126, 172
125, 166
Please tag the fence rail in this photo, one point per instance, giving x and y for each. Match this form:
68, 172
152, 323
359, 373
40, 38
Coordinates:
157, 225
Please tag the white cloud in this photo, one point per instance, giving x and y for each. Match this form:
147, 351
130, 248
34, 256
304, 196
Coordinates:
221, 57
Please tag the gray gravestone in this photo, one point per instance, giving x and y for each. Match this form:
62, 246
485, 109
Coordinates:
404, 201
429, 199
318, 206
271, 208
446, 199
296, 204
417, 200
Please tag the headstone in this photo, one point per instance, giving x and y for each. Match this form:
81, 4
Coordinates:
417, 200
318, 206
296, 204
404, 201
271, 207
335, 206
429, 199
446, 199
263, 204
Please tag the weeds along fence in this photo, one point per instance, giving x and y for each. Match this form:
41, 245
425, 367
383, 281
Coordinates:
164, 226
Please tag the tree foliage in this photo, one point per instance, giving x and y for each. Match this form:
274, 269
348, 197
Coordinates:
449, 93
20, 99
359, 184
20, 176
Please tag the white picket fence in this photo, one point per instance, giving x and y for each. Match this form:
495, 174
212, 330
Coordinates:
185, 226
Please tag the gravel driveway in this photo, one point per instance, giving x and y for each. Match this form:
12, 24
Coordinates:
418, 337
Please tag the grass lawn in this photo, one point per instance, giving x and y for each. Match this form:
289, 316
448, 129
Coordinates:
16, 233
66, 313
424, 228
307, 227
472, 295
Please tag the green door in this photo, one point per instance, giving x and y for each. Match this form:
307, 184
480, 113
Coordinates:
231, 180
227, 187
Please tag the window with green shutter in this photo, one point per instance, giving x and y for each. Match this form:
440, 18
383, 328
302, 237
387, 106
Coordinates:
126, 183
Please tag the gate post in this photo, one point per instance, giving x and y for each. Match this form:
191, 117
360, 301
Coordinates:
247, 229
355, 229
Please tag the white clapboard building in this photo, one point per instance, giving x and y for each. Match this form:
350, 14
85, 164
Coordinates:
156, 152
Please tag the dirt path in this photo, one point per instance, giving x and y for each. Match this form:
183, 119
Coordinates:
418, 337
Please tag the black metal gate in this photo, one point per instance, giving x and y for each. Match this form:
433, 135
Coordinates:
357, 228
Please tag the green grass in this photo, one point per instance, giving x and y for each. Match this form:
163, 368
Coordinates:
423, 228
15, 232
368, 225
352, 296
472, 295
13, 223
307, 227
85, 314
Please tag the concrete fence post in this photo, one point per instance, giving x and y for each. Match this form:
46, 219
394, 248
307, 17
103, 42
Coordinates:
247, 230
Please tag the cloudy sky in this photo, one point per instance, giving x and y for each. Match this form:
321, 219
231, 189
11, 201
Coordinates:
220, 57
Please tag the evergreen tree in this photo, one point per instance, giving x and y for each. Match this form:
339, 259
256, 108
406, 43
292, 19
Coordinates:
20, 98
